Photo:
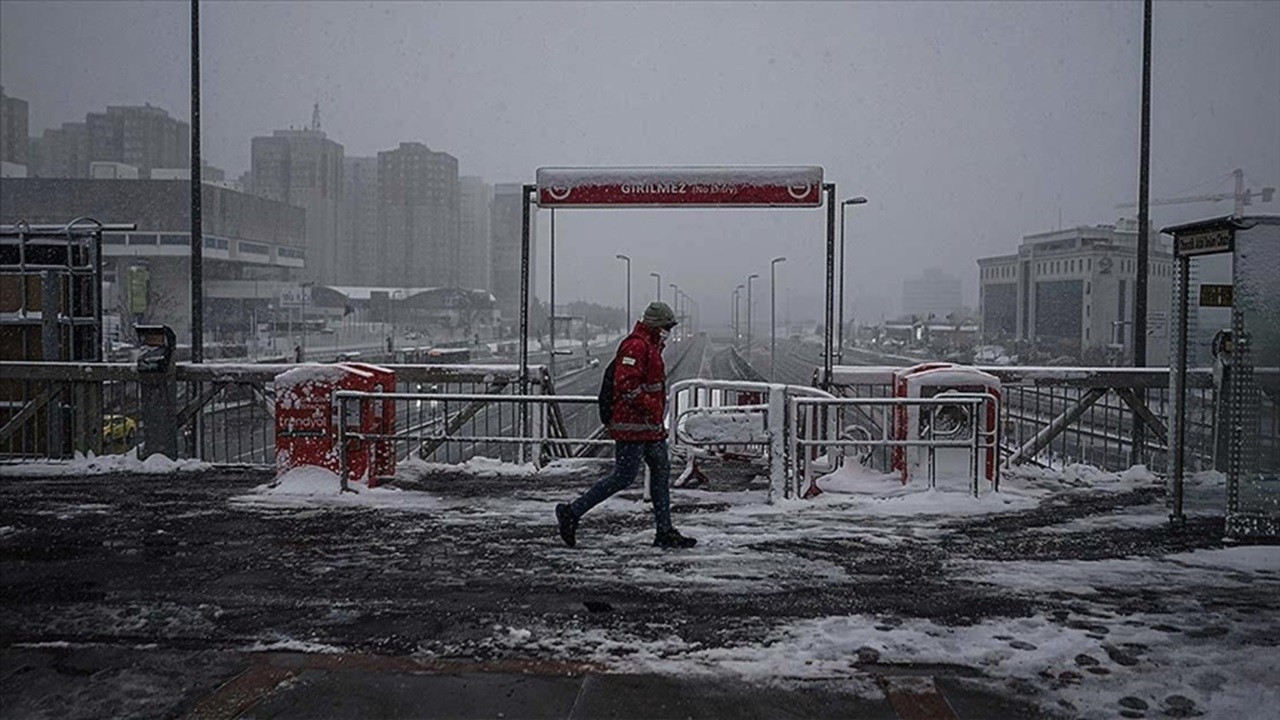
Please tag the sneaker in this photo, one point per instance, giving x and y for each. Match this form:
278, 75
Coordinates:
673, 539
568, 524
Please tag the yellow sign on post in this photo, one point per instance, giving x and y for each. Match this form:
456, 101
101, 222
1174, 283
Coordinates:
136, 287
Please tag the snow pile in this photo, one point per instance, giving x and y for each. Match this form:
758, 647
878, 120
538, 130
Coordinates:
306, 480
86, 465
308, 485
309, 373
877, 493
730, 428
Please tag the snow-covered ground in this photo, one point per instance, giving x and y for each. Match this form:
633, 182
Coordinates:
1068, 589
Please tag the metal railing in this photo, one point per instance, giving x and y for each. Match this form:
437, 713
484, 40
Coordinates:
438, 422
1056, 416
54, 410
824, 429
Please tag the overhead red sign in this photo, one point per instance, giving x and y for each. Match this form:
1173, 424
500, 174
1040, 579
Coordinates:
680, 187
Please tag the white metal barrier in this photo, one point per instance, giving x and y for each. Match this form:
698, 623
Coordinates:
951, 421
742, 419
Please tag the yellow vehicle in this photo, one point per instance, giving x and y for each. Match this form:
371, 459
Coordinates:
118, 431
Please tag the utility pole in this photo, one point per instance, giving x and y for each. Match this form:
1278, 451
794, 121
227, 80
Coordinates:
1144, 228
197, 215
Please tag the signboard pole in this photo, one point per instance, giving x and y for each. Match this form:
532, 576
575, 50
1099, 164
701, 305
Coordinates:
828, 336
525, 195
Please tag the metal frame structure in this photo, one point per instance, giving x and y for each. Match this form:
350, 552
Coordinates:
62, 258
1218, 236
528, 194
831, 436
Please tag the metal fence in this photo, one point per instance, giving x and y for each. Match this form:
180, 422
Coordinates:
1056, 416
824, 431
224, 413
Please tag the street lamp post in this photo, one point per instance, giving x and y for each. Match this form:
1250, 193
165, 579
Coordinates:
750, 277
629, 319
675, 301
840, 333
737, 314
658, 277
773, 317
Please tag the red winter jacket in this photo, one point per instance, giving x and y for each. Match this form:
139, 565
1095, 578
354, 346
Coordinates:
639, 388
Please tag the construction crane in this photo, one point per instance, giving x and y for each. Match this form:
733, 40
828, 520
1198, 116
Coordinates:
1241, 196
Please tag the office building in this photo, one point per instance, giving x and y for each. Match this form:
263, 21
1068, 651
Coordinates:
504, 251
362, 251
143, 136
476, 198
304, 168
1071, 292
932, 294
419, 223
253, 247
60, 152
13, 136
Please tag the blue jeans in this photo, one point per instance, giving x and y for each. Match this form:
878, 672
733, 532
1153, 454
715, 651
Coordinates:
626, 458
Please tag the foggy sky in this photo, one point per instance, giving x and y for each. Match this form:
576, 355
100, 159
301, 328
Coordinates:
966, 125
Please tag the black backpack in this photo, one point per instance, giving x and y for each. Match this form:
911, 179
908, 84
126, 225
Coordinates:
604, 401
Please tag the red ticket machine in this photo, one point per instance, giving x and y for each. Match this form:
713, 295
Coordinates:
306, 429
374, 459
927, 382
898, 458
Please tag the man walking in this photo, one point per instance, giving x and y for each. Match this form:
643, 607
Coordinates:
636, 425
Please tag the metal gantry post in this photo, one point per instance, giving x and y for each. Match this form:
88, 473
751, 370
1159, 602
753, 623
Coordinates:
551, 316
525, 209
828, 335
1144, 229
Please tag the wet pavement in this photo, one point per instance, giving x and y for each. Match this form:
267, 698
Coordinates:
191, 594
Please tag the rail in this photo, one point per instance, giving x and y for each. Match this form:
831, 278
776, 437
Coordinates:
822, 431
56, 410
434, 421
1062, 415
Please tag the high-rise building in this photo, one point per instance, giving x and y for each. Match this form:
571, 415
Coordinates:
304, 168
476, 197
60, 152
143, 136
933, 293
13, 131
504, 249
362, 251
1072, 291
419, 222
